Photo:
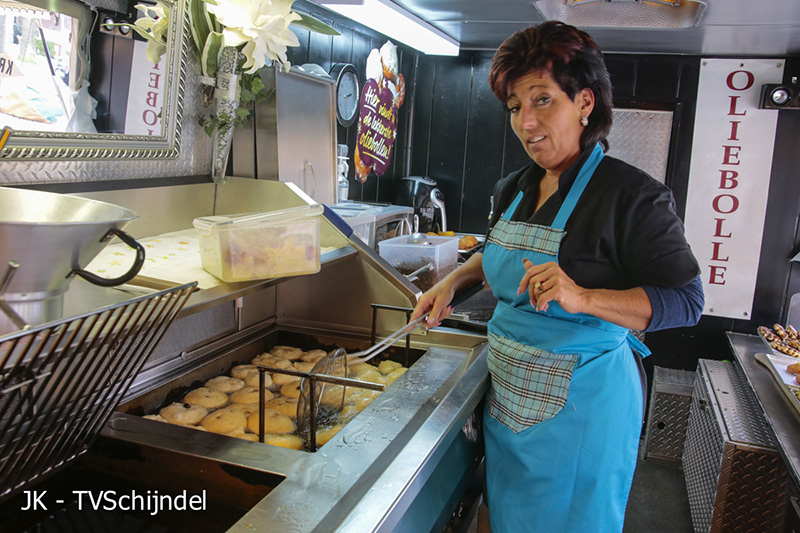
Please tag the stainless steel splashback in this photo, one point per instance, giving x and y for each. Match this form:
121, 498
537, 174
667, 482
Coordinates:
292, 136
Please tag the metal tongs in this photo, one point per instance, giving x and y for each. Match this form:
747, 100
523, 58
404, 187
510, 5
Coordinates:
365, 355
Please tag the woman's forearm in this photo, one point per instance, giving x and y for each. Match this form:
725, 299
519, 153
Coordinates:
629, 308
470, 271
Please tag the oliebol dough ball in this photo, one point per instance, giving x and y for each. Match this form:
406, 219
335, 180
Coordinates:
239, 433
249, 395
208, 398
267, 359
287, 406
224, 421
241, 371
251, 380
245, 408
224, 384
304, 366
312, 356
293, 442
287, 352
391, 377
291, 390
388, 366
274, 422
183, 413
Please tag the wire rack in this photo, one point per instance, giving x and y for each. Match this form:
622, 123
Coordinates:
59, 382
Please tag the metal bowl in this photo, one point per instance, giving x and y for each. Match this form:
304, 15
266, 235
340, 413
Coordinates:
47, 238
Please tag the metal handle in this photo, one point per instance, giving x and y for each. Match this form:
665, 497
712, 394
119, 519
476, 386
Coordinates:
18, 321
11, 269
415, 275
440, 205
313, 179
125, 278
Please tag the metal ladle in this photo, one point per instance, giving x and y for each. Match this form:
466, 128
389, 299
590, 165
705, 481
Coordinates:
417, 237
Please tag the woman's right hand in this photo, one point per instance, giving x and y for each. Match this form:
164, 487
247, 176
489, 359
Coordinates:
437, 299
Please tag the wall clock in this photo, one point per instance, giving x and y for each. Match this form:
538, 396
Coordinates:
346, 93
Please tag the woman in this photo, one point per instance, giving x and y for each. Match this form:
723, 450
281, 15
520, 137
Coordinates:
582, 248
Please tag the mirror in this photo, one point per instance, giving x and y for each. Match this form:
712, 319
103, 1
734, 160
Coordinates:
74, 84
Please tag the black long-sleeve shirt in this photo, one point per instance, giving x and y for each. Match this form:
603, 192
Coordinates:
623, 233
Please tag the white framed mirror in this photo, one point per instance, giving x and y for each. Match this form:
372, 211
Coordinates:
67, 98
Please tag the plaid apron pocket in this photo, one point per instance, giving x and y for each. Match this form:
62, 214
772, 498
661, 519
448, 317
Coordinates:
529, 385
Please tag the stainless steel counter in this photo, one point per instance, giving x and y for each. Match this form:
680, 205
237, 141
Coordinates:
782, 418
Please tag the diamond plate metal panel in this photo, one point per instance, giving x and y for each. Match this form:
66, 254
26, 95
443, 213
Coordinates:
733, 485
743, 418
702, 455
641, 137
668, 415
752, 494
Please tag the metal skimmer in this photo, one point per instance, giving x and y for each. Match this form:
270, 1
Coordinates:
59, 382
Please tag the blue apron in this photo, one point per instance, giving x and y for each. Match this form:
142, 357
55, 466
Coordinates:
564, 410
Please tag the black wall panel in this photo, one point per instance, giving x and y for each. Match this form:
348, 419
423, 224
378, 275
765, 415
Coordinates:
484, 162
447, 144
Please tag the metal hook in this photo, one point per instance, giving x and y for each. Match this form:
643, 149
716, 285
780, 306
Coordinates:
18, 321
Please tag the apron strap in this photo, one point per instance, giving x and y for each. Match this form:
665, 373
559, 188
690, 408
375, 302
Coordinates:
513, 207
578, 187
637, 345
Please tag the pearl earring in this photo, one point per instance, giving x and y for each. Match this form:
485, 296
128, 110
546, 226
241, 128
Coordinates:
584, 121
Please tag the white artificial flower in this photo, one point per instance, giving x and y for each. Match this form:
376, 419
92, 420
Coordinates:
154, 24
261, 25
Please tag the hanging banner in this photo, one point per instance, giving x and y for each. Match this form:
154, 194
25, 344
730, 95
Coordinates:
729, 179
143, 115
383, 94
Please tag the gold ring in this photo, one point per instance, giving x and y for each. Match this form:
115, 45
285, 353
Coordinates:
538, 286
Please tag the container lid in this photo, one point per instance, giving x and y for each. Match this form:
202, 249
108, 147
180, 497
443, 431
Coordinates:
244, 220
433, 241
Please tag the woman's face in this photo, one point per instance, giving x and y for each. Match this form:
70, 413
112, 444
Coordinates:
546, 121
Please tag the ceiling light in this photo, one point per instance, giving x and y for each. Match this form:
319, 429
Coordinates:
396, 23
623, 13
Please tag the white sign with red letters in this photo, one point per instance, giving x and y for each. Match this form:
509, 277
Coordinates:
145, 95
729, 179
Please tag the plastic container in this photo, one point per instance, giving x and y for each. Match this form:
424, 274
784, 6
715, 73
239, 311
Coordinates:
261, 245
442, 252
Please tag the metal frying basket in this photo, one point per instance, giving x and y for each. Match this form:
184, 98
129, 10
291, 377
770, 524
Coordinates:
59, 382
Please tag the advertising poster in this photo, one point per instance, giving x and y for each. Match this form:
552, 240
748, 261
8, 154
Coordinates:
382, 96
729, 179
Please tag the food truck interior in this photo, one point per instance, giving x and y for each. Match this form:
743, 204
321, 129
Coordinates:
662, 55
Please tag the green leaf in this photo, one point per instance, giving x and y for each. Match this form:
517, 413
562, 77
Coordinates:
257, 85
210, 56
241, 114
200, 22
313, 24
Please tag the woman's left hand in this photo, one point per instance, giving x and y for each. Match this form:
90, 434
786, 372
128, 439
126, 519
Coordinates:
548, 282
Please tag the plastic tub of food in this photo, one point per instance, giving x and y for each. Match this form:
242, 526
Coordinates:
441, 252
255, 246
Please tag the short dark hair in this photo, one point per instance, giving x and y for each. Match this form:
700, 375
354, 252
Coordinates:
571, 56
